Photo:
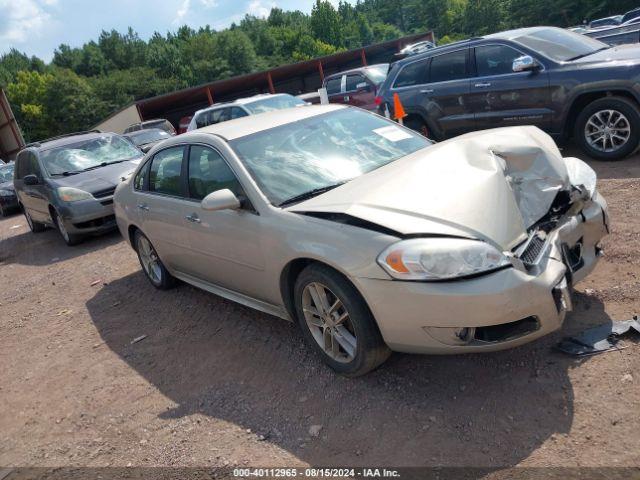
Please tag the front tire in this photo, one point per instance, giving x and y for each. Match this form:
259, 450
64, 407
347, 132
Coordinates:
152, 266
337, 323
69, 239
608, 128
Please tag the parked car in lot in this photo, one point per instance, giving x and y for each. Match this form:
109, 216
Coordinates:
147, 138
8, 199
242, 107
184, 124
567, 84
68, 182
630, 15
160, 123
368, 235
357, 87
606, 22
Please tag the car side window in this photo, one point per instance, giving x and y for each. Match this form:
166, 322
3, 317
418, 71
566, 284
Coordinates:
495, 60
333, 85
353, 80
22, 164
412, 74
165, 172
237, 112
140, 181
450, 66
208, 172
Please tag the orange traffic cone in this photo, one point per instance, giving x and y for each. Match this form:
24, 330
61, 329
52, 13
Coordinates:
398, 109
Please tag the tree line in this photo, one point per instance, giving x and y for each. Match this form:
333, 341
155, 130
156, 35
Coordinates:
82, 85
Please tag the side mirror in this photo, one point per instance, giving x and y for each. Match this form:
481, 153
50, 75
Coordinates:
220, 200
525, 63
31, 180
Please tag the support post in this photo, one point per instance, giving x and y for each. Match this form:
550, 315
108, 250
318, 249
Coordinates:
363, 57
270, 81
321, 71
209, 95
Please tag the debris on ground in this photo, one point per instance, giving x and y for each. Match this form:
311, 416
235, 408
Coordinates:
15, 227
95, 282
314, 430
600, 339
138, 339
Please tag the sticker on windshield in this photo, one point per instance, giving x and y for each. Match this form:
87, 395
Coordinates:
392, 133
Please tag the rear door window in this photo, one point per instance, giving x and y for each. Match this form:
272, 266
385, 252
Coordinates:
237, 112
412, 74
447, 67
333, 85
495, 60
165, 175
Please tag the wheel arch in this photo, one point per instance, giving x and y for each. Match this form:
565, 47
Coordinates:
585, 98
290, 273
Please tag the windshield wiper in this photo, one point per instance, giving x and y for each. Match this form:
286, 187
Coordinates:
310, 194
587, 54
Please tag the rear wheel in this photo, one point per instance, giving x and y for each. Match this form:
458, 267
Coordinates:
608, 128
337, 323
69, 239
34, 226
151, 264
418, 125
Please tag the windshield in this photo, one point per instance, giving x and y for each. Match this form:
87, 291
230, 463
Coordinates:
560, 45
323, 151
90, 153
148, 136
378, 73
6, 173
277, 102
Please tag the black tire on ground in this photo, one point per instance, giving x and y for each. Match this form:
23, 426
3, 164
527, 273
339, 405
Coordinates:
620, 105
69, 238
418, 125
161, 278
371, 351
35, 227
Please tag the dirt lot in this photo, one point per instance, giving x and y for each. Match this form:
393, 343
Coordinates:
215, 383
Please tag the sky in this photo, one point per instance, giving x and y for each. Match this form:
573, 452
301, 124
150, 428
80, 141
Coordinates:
37, 27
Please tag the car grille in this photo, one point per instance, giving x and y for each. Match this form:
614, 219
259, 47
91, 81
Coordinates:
532, 251
107, 192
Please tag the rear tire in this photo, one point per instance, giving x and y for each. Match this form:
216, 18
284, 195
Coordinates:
152, 266
418, 125
69, 238
35, 227
608, 128
342, 331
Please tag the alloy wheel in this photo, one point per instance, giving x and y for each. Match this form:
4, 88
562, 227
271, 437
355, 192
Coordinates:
150, 260
329, 322
607, 130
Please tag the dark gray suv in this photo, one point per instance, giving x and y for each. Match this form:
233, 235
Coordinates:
567, 84
68, 182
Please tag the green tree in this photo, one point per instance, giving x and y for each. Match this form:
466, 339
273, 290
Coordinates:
28, 96
325, 23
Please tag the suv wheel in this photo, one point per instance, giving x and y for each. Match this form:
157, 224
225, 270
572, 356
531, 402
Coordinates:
418, 125
151, 264
68, 238
34, 226
337, 323
608, 128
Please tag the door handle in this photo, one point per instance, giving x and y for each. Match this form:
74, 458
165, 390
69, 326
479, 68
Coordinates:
193, 218
482, 85
142, 206
427, 90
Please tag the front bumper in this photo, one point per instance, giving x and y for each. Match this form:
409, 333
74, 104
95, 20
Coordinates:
503, 309
88, 216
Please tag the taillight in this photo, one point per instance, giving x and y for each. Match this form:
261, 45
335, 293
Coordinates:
378, 101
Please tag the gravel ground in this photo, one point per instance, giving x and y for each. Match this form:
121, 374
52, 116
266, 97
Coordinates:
217, 384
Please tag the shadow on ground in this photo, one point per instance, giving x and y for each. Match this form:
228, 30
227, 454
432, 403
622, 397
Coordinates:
217, 358
46, 248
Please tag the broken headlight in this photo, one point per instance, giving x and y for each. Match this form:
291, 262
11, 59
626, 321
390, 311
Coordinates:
440, 258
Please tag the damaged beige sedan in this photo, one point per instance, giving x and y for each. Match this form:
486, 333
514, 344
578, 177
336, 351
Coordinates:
366, 234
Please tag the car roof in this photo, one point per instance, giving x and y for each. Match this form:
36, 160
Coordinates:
68, 140
143, 132
357, 69
241, 127
240, 101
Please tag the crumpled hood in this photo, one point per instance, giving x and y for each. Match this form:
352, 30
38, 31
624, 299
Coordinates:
100, 178
490, 185
7, 186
